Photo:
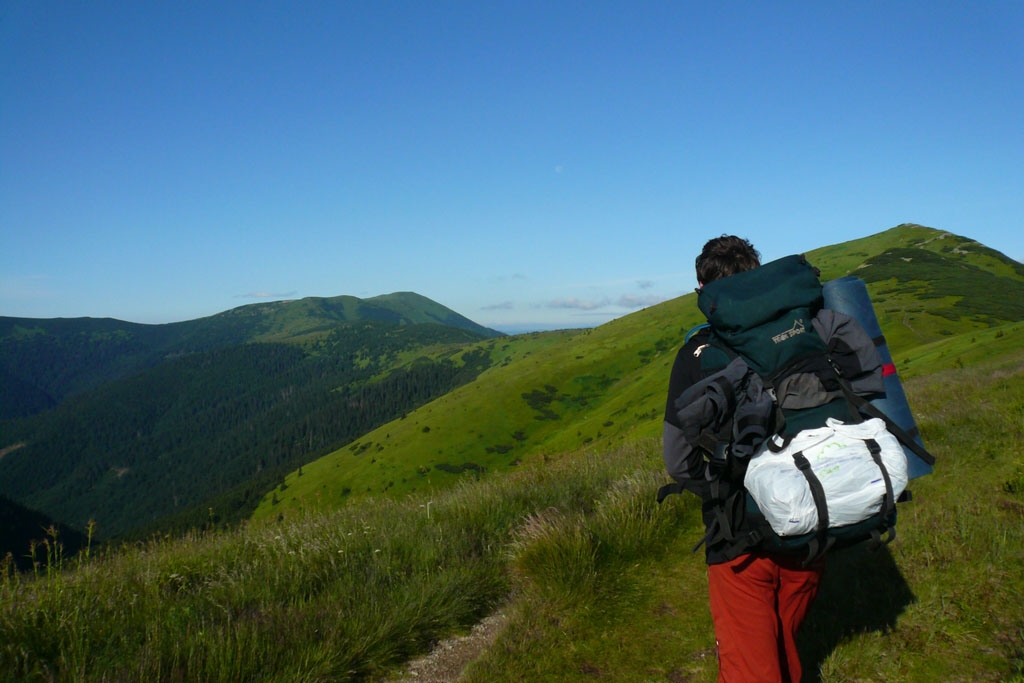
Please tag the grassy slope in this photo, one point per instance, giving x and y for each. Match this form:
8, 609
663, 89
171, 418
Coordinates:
926, 284
595, 578
599, 388
944, 603
607, 386
965, 350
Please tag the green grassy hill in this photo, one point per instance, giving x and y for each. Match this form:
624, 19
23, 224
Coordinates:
549, 394
927, 284
593, 579
545, 394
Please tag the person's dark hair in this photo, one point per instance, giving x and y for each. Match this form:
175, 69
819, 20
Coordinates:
724, 256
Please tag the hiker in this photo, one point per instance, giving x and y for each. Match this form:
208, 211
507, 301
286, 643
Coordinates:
771, 420
758, 600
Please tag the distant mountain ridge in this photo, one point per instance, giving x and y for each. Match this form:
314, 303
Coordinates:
130, 424
45, 360
279, 320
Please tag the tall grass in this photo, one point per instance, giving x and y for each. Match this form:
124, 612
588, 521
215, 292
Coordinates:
563, 555
344, 595
945, 602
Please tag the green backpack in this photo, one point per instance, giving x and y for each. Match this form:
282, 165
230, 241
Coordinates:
765, 317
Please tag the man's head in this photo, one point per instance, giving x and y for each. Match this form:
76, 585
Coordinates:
724, 256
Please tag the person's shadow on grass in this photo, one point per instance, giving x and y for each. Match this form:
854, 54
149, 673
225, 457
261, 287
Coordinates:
861, 591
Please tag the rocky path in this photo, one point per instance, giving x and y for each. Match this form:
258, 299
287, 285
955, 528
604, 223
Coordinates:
445, 663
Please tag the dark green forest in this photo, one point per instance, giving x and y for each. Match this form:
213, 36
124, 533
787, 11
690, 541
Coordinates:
204, 435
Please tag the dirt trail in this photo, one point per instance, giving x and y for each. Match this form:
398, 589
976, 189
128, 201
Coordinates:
445, 663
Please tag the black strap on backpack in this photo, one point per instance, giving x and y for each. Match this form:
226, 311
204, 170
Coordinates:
906, 438
821, 541
889, 504
729, 510
726, 503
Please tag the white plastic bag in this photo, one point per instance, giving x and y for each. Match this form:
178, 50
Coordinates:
839, 457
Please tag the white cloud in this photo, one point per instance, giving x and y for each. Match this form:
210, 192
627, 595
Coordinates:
632, 301
502, 306
266, 295
506, 278
578, 304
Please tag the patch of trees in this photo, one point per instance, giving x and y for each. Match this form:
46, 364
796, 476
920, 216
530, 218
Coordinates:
977, 293
460, 468
540, 401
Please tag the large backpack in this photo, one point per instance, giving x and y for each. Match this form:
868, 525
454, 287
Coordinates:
776, 366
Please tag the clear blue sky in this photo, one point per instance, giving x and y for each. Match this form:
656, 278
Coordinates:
528, 164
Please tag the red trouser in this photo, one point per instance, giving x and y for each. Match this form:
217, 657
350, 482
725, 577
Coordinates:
757, 604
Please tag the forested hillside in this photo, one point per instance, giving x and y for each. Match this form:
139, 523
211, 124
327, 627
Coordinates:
43, 361
181, 437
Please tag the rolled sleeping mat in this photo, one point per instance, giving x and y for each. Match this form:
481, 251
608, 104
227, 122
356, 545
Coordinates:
849, 295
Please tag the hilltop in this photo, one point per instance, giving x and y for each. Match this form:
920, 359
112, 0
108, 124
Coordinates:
47, 360
143, 428
546, 395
